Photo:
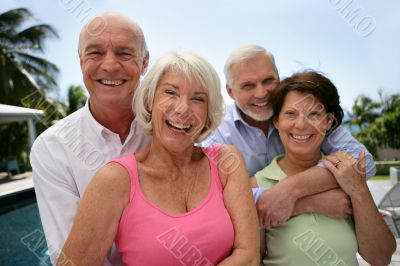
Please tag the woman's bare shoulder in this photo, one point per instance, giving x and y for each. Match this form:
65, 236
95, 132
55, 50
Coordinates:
229, 156
112, 177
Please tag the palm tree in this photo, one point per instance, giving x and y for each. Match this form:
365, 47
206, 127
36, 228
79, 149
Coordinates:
25, 77
76, 98
22, 71
389, 103
364, 111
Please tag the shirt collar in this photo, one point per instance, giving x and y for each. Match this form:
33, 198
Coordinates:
237, 118
92, 122
98, 128
272, 129
236, 114
274, 170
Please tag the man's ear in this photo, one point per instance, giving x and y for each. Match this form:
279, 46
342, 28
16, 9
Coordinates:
146, 59
81, 62
229, 91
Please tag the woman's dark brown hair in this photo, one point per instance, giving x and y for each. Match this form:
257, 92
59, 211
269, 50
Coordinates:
314, 83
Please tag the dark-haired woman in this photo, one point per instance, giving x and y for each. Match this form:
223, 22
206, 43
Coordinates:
306, 108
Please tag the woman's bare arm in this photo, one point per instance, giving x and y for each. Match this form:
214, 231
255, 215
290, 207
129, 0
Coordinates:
240, 205
96, 222
376, 243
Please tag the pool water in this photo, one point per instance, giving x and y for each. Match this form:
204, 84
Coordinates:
22, 240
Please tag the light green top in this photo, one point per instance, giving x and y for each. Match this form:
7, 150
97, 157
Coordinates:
307, 239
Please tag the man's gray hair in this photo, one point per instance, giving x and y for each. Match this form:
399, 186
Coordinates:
244, 53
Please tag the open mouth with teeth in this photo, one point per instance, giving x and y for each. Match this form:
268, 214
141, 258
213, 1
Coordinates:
182, 128
112, 83
301, 138
260, 104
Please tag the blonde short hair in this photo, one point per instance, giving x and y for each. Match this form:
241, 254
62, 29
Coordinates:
193, 67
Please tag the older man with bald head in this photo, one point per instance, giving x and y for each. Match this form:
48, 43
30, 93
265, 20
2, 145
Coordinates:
113, 55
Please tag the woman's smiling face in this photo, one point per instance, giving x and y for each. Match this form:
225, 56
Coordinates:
302, 124
179, 111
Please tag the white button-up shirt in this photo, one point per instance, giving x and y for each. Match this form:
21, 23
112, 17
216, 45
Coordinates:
64, 158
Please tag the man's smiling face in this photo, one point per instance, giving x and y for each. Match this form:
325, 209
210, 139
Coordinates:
252, 82
112, 62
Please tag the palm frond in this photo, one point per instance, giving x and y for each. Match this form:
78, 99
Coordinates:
18, 82
31, 61
38, 78
34, 36
12, 19
22, 72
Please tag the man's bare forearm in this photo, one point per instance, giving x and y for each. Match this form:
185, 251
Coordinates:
314, 180
334, 203
277, 204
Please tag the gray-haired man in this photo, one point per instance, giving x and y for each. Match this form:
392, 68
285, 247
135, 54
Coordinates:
251, 75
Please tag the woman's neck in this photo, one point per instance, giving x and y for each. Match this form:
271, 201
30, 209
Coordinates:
158, 156
292, 164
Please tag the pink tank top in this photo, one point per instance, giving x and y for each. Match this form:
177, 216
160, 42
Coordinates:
149, 236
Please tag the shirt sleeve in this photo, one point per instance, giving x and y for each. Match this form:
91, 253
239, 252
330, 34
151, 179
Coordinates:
56, 193
263, 183
341, 139
257, 191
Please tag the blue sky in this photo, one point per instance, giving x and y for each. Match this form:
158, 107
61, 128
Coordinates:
356, 43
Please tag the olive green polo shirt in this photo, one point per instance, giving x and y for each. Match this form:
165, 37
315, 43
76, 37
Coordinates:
307, 239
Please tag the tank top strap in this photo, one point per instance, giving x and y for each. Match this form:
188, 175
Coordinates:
212, 152
129, 163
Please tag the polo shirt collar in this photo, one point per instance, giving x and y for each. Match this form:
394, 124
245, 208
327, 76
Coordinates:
274, 171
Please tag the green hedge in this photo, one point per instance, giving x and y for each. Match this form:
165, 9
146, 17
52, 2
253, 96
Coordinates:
383, 167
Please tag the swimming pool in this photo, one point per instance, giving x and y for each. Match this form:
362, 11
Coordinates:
22, 240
